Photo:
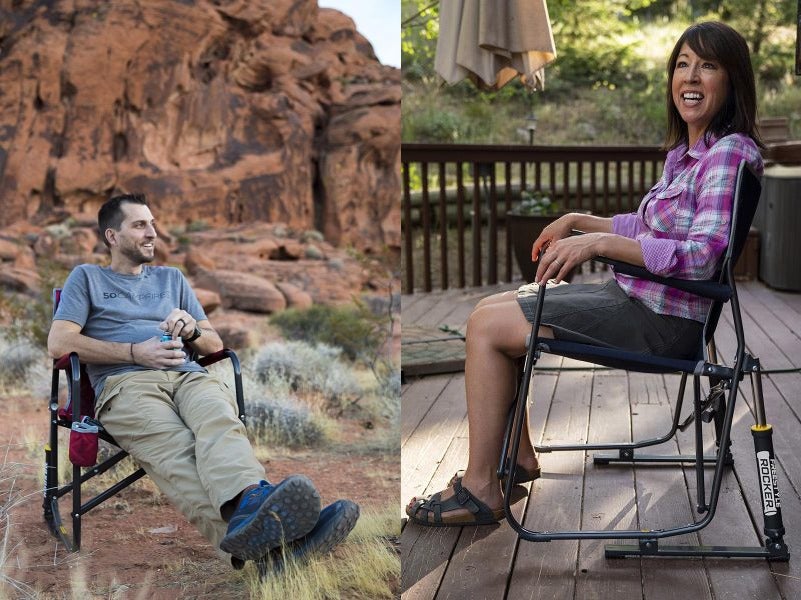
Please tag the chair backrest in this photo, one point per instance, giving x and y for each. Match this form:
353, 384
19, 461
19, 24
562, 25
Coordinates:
87, 393
747, 190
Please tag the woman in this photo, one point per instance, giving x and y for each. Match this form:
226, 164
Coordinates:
680, 230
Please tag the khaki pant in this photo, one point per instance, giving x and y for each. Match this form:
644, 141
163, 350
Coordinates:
183, 430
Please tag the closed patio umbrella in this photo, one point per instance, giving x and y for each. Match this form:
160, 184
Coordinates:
493, 41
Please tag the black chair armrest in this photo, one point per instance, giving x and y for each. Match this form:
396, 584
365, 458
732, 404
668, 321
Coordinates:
705, 288
210, 359
67, 360
700, 287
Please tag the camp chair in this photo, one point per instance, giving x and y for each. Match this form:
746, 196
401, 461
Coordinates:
718, 407
80, 402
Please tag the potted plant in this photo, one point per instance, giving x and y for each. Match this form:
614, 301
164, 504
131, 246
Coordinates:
524, 224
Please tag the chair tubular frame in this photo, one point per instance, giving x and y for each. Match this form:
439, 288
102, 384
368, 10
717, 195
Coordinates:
648, 541
53, 492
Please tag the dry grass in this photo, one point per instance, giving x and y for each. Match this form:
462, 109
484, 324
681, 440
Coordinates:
365, 566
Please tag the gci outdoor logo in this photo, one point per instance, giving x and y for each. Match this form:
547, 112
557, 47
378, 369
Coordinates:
767, 483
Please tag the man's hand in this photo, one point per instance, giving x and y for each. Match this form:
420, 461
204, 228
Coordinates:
179, 323
156, 354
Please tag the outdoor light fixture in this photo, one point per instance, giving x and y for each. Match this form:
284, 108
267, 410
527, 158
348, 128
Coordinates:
531, 125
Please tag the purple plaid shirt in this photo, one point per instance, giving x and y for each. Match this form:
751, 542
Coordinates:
683, 222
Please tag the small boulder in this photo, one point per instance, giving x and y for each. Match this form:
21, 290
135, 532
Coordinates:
295, 297
243, 290
210, 301
196, 259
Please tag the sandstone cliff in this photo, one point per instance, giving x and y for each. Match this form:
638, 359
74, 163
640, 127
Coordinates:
223, 111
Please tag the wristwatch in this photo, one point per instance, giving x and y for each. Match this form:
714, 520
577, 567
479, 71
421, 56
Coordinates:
196, 334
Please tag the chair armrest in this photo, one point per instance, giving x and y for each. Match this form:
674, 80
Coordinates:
63, 361
210, 359
705, 288
700, 287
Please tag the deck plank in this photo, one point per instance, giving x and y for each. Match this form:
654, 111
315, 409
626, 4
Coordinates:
604, 506
547, 570
571, 405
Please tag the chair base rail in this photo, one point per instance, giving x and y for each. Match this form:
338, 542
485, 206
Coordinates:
627, 457
774, 550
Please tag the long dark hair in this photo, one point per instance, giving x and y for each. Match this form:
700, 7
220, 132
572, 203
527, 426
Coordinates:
717, 41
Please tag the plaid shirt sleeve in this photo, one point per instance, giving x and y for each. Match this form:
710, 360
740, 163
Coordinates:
683, 222
693, 251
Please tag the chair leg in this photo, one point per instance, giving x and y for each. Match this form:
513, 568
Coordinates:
766, 474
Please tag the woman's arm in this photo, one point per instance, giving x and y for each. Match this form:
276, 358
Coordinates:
565, 254
564, 225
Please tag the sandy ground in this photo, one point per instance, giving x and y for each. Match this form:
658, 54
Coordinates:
136, 545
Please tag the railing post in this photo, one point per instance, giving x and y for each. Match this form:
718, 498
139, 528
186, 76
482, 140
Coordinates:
476, 226
443, 228
408, 231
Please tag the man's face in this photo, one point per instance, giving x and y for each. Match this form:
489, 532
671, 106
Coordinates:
136, 239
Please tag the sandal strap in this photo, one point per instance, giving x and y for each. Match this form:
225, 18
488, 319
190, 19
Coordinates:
469, 501
462, 498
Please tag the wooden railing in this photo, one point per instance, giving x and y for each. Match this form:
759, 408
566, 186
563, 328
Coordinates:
466, 190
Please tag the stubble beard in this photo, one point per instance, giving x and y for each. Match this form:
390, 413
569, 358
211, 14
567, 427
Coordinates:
136, 255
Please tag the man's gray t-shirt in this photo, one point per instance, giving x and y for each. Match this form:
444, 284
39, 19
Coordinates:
115, 307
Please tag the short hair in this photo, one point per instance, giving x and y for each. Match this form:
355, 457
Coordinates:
110, 215
713, 40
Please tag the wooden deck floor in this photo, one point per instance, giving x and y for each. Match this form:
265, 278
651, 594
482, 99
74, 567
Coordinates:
602, 405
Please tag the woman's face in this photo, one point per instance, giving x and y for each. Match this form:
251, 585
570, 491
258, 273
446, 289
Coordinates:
699, 90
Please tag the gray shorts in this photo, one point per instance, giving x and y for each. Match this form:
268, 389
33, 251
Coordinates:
602, 314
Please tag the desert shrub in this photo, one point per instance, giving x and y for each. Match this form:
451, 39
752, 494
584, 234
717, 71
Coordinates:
29, 318
387, 393
354, 329
284, 421
315, 373
24, 367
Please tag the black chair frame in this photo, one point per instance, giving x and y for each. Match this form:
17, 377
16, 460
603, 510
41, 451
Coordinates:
718, 407
80, 402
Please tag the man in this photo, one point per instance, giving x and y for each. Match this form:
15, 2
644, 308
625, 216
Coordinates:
175, 419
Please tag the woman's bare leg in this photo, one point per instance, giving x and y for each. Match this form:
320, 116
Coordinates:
496, 335
526, 455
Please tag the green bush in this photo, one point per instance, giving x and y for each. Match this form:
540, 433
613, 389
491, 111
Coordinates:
354, 329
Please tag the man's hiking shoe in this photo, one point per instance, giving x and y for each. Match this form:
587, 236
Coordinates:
270, 515
336, 522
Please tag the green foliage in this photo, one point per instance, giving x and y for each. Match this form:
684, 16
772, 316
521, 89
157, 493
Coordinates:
604, 88
419, 33
535, 203
197, 225
354, 329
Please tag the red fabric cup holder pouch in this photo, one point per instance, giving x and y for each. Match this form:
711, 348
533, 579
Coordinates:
83, 442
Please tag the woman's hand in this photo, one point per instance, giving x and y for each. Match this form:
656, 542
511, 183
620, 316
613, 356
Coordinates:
566, 253
555, 231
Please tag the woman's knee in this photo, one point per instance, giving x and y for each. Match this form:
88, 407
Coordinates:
498, 326
497, 298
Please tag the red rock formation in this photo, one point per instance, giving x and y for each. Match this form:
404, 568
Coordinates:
226, 111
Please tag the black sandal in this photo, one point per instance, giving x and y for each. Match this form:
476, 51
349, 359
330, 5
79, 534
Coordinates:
481, 514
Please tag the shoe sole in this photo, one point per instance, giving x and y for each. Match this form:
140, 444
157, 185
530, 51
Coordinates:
319, 541
289, 512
